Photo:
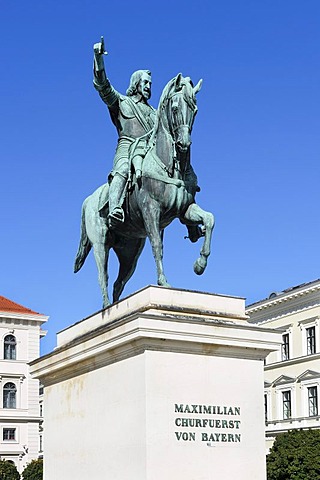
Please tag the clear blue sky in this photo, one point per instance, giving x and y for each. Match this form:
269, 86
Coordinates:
255, 149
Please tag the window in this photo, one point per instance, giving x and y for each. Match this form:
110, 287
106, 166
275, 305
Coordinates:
41, 410
311, 340
286, 404
40, 444
9, 395
266, 407
9, 347
313, 401
9, 434
285, 347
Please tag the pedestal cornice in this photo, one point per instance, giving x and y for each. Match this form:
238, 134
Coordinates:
156, 319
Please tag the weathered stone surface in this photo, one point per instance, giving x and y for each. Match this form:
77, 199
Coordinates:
164, 384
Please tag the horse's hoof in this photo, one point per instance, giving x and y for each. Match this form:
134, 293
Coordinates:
164, 283
199, 266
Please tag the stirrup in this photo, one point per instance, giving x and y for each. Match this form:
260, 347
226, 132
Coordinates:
116, 216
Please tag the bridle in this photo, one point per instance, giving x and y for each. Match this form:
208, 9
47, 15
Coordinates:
176, 121
180, 118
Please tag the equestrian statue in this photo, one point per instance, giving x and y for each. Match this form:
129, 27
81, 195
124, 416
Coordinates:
151, 183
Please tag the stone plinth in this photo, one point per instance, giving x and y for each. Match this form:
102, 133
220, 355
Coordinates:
164, 385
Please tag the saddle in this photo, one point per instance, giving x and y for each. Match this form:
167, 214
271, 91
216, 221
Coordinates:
103, 201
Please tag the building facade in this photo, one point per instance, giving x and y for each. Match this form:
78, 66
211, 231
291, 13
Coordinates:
20, 416
292, 375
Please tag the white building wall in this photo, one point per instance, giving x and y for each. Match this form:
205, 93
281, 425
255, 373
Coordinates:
293, 312
25, 418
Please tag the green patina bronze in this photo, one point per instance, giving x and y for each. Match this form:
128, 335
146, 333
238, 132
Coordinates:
152, 181
134, 119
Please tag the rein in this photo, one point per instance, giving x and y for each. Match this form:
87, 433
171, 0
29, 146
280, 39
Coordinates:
169, 131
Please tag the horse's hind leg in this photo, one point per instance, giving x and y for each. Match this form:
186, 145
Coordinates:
196, 215
128, 251
101, 255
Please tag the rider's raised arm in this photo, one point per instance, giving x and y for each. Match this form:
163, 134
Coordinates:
100, 81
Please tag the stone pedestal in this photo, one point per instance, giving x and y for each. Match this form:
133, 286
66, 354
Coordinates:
164, 385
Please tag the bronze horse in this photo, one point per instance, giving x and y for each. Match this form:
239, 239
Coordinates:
167, 191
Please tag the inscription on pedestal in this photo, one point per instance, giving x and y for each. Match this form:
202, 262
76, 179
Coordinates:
209, 428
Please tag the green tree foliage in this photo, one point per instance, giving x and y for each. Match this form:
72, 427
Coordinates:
295, 456
34, 470
8, 471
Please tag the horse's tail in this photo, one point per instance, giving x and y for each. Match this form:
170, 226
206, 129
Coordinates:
85, 245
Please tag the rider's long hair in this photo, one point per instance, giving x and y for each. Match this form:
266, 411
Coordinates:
134, 80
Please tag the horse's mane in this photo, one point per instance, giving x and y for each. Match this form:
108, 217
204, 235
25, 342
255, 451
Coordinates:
163, 100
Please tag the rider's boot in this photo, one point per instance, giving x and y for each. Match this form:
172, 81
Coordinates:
116, 189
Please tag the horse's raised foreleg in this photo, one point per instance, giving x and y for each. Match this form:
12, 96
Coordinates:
101, 254
197, 216
151, 215
128, 251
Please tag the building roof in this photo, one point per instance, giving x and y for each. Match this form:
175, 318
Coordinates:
7, 305
287, 291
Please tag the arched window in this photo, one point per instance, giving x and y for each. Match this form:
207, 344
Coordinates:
9, 395
9, 347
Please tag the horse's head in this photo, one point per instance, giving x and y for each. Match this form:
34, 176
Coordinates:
182, 109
